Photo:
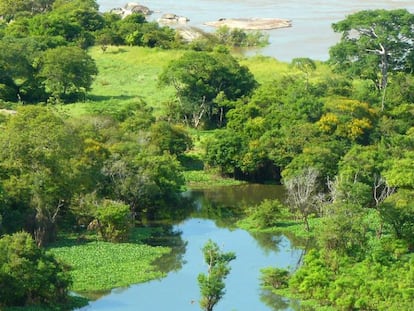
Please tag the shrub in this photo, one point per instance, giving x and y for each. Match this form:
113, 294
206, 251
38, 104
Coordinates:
275, 277
266, 214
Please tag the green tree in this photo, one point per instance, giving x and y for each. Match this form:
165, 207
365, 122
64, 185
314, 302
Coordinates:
212, 284
344, 230
266, 214
67, 70
398, 211
112, 220
240, 38
400, 172
28, 275
165, 137
375, 43
37, 153
274, 277
18, 80
200, 77
10, 9
224, 150
305, 65
144, 181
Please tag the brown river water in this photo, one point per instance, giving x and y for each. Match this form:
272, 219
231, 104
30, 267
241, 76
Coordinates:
310, 36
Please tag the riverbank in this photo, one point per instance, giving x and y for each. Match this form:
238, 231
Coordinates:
311, 36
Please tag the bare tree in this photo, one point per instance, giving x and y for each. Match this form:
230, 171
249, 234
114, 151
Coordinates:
302, 194
381, 191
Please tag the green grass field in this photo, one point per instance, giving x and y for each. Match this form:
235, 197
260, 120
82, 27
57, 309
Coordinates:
126, 74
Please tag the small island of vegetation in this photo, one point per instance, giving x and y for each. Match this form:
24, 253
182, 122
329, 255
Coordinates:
106, 120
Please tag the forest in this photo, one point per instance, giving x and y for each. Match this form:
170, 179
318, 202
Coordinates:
105, 121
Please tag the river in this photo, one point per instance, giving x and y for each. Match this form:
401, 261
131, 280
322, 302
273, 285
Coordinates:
213, 217
310, 36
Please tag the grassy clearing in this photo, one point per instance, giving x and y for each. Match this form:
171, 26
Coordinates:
125, 75
98, 266
265, 68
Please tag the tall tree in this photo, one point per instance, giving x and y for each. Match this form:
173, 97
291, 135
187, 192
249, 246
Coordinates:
302, 194
202, 79
36, 154
67, 70
375, 43
212, 284
17, 70
10, 9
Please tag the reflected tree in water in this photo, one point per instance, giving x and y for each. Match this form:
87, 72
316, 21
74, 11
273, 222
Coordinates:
268, 242
277, 302
167, 235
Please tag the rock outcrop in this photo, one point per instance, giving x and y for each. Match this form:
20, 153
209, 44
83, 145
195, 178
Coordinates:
252, 23
137, 8
190, 34
170, 18
130, 8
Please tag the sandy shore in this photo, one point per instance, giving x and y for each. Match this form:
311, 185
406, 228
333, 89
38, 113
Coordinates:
252, 23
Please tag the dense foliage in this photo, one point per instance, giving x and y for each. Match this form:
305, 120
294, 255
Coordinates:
28, 275
344, 159
206, 84
339, 136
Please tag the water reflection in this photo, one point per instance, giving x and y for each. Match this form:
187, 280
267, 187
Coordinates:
226, 205
267, 242
171, 237
277, 302
212, 214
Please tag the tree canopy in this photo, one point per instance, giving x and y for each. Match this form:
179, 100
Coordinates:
28, 275
66, 70
375, 43
204, 81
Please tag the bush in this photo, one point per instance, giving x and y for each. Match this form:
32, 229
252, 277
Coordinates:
275, 277
266, 214
113, 221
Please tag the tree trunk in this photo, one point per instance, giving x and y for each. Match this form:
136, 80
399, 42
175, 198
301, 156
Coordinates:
306, 223
384, 76
45, 230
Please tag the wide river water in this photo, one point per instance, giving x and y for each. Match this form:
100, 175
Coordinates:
310, 36
212, 216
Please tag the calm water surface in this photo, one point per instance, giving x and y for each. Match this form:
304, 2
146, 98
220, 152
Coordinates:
311, 34
179, 289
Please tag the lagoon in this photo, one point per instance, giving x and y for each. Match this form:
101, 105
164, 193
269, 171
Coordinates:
310, 36
213, 217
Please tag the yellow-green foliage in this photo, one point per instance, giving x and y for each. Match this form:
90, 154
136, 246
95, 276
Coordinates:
347, 118
268, 69
103, 265
126, 74
265, 69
